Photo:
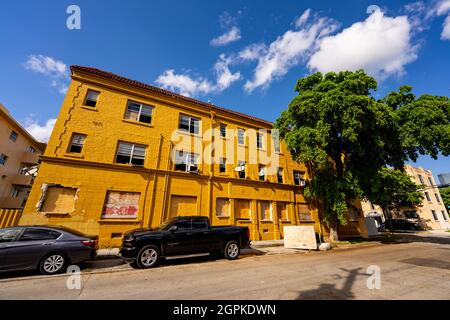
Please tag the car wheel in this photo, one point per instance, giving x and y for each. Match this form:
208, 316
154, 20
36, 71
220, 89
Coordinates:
148, 257
53, 264
231, 251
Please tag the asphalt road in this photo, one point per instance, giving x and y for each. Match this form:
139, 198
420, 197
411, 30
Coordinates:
416, 270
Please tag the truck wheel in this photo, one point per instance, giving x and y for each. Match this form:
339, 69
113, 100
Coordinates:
231, 251
148, 257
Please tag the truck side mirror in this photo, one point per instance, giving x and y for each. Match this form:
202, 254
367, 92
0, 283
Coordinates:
173, 228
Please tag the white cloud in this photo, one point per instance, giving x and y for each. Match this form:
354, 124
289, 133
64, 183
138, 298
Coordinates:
252, 52
232, 35
183, 83
289, 49
445, 35
190, 86
380, 45
40, 133
224, 76
57, 71
443, 7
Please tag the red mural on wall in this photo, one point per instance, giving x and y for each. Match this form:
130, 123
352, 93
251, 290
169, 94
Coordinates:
121, 205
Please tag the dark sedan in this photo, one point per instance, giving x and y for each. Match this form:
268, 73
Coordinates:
403, 225
47, 249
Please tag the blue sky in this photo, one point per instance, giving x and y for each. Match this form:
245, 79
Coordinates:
242, 55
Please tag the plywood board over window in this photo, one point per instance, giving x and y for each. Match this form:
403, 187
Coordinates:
282, 211
183, 206
222, 208
59, 200
304, 212
121, 205
242, 209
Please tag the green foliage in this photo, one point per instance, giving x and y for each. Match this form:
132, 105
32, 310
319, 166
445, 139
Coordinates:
347, 139
445, 195
392, 188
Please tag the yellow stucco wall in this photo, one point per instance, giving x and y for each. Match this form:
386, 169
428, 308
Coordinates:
93, 172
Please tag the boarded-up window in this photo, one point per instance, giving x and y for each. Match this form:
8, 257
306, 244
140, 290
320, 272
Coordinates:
121, 205
304, 213
242, 209
266, 210
59, 200
222, 207
183, 206
282, 211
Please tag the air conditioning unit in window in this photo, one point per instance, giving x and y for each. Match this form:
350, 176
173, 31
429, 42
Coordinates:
193, 169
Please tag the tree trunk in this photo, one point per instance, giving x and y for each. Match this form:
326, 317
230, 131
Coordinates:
334, 224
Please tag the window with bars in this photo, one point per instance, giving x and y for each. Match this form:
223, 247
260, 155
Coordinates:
186, 161
241, 136
259, 140
427, 195
77, 142
189, 124
131, 154
139, 112
91, 98
223, 130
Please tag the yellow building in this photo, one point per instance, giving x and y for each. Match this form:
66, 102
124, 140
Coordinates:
19, 157
126, 155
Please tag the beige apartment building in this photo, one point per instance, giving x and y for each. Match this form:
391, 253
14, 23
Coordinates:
433, 208
19, 158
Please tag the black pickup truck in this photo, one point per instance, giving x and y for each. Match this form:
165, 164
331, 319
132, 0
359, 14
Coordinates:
181, 237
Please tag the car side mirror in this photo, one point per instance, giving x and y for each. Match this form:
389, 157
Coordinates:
173, 228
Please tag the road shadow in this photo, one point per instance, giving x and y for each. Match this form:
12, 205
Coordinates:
414, 237
330, 291
429, 263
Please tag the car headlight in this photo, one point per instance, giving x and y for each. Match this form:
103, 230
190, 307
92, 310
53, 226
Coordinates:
129, 238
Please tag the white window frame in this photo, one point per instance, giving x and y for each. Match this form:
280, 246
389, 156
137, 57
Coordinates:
191, 126
239, 130
72, 143
86, 99
189, 159
260, 141
133, 146
141, 106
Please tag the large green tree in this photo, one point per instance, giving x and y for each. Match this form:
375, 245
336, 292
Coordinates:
445, 195
346, 138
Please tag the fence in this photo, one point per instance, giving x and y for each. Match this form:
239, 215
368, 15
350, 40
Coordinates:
9, 217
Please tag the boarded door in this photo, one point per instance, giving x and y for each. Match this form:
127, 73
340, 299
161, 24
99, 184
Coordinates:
183, 206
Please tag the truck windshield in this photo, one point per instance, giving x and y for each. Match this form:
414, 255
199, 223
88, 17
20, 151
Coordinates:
166, 224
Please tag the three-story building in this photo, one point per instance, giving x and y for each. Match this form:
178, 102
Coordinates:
125, 155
